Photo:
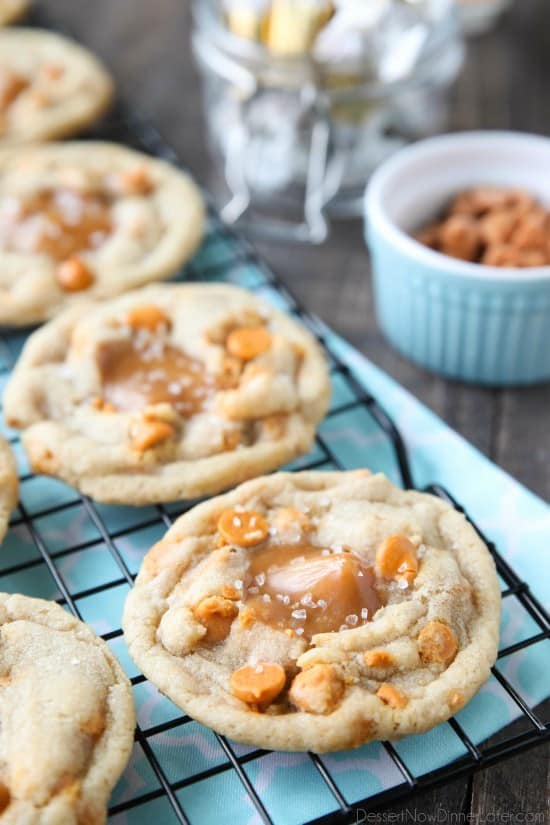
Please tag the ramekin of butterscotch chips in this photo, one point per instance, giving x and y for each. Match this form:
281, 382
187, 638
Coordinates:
500, 227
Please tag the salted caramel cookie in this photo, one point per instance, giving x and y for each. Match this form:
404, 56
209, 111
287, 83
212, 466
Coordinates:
9, 485
168, 392
50, 86
66, 716
317, 611
12, 10
89, 220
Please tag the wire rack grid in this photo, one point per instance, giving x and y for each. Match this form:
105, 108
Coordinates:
46, 557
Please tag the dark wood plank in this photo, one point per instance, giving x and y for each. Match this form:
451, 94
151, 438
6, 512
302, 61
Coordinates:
504, 85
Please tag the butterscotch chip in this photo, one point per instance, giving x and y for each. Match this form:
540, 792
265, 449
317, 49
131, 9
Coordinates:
258, 684
52, 71
289, 522
392, 697
248, 342
396, 559
318, 689
497, 227
437, 643
74, 276
148, 434
533, 257
66, 719
247, 617
148, 317
430, 236
532, 231
378, 658
230, 592
456, 700
137, 181
460, 237
312, 605
216, 614
101, 405
246, 528
501, 255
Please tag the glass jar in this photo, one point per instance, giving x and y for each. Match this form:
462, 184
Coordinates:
478, 16
295, 138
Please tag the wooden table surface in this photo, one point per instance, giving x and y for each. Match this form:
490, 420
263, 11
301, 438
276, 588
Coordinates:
505, 85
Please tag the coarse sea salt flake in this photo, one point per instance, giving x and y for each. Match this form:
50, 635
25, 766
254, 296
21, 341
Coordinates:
352, 619
299, 631
299, 614
364, 612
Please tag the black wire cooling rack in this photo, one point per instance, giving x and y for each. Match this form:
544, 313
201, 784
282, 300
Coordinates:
128, 127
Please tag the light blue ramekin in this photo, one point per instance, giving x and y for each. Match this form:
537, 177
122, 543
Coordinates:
467, 321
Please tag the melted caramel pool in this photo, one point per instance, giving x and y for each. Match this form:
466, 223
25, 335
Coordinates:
136, 373
59, 223
310, 590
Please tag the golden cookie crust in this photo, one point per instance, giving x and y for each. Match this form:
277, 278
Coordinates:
66, 716
9, 485
12, 10
265, 419
456, 585
153, 232
68, 88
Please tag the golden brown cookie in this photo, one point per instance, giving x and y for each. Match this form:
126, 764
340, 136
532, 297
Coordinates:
89, 220
317, 611
66, 716
50, 86
168, 392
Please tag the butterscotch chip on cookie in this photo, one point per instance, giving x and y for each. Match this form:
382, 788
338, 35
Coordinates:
138, 399
66, 716
9, 485
12, 10
78, 222
358, 611
50, 86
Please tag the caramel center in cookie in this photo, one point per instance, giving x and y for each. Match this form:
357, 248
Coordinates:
59, 223
146, 370
310, 590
